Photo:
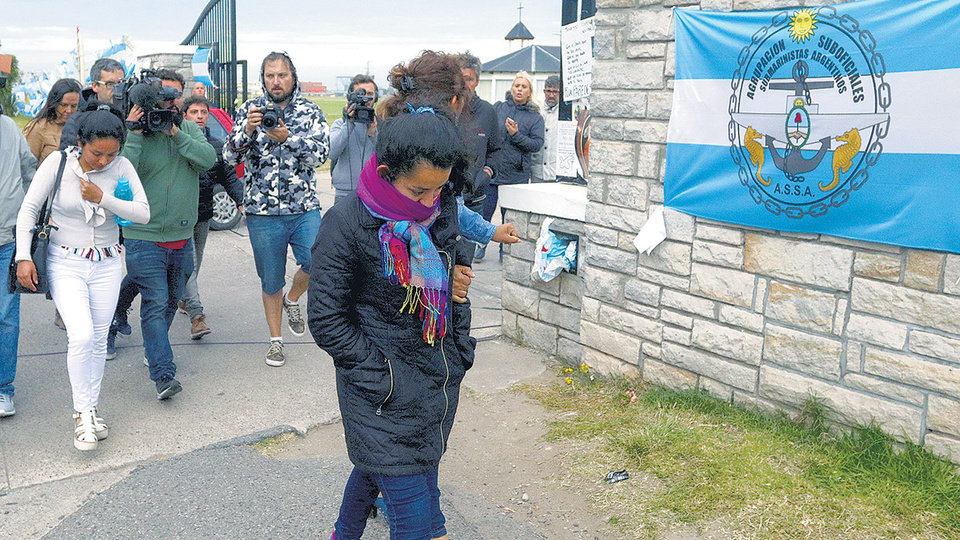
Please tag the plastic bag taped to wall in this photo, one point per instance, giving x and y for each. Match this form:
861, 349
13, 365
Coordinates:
554, 253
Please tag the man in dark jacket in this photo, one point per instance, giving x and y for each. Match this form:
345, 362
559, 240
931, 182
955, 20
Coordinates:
197, 109
484, 136
104, 76
521, 119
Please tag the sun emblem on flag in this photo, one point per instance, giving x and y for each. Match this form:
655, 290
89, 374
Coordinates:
802, 25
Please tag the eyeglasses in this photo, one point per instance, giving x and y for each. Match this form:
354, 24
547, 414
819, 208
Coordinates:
108, 84
551, 91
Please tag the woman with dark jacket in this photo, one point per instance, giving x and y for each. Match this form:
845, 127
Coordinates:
380, 305
521, 118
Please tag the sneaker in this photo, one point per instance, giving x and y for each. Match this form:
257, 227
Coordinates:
294, 316
275, 356
111, 343
167, 388
182, 307
121, 325
85, 432
58, 320
6, 406
480, 253
99, 426
198, 327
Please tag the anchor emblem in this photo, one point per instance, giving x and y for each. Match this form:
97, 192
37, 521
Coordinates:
802, 127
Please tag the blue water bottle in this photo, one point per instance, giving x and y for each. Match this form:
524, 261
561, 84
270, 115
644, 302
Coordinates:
123, 192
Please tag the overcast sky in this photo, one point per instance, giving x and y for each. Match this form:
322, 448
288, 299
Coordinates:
325, 39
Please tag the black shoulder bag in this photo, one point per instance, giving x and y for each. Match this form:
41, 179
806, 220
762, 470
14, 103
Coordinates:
38, 244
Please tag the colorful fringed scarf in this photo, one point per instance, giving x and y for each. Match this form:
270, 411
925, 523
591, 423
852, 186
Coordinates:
409, 255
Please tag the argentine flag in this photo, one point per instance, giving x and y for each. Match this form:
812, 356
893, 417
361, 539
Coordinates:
201, 66
840, 120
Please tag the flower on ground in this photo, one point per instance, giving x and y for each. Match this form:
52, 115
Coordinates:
568, 380
584, 368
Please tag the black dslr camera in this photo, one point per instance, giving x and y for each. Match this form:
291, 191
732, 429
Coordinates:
147, 92
272, 115
362, 111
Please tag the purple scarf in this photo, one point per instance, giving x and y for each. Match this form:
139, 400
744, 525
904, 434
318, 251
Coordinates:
409, 256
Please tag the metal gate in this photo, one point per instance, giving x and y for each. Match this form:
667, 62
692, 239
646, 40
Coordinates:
217, 28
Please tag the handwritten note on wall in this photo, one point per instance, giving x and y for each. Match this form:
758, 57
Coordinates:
566, 149
576, 41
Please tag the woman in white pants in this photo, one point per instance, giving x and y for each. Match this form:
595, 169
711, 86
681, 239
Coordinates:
83, 260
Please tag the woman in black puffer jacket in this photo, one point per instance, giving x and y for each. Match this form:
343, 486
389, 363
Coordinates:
398, 372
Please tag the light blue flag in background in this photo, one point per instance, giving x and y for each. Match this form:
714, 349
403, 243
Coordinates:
841, 120
201, 66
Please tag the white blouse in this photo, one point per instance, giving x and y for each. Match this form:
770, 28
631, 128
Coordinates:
79, 223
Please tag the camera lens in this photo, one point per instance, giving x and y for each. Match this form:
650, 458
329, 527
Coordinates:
271, 117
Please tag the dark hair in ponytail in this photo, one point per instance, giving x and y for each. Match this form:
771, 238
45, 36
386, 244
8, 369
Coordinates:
432, 78
100, 121
406, 139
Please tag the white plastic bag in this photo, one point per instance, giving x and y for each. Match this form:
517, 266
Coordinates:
553, 254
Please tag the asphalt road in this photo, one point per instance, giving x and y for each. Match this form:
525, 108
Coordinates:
183, 468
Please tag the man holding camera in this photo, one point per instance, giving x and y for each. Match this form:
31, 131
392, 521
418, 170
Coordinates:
169, 156
281, 137
353, 138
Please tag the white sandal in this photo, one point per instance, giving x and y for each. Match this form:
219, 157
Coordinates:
99, 426
85, 434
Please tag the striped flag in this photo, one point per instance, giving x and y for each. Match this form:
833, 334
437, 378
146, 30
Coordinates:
839, 120
201, 66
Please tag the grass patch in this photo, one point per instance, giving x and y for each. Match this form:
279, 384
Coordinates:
272, 446
20, 120
331, 106
699, 462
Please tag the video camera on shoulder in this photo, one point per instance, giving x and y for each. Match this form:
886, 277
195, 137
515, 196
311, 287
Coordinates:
363, 113
147, 92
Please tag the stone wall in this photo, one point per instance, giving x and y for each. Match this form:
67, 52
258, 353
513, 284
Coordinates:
758, 317
542, 315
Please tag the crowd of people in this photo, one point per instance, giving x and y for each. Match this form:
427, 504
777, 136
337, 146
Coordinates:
416, 188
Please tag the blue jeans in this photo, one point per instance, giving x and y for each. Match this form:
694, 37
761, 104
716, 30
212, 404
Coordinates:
160, 274
9, 328
269, 238
413, 505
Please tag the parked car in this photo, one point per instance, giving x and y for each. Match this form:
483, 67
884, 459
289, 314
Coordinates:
225, 212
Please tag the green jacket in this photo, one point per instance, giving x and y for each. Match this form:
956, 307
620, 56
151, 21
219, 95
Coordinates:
169, 169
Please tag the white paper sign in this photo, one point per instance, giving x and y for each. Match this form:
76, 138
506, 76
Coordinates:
653, 232
566, 148
576, 42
